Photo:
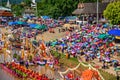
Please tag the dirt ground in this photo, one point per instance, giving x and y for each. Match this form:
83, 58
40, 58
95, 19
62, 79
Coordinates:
47, 36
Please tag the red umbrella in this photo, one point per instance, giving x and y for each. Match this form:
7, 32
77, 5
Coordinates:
70, 76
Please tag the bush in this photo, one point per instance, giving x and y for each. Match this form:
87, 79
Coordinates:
112, 12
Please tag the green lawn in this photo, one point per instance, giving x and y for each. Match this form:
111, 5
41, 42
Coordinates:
72, 62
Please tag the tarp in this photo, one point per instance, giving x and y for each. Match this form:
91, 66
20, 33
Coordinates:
114, 32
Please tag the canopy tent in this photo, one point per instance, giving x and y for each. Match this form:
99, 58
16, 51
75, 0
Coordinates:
114, 32
90, 75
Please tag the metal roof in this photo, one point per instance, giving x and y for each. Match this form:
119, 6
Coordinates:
3, 8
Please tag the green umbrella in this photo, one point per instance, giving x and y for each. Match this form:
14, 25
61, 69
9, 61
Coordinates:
38, 27
20, 22
43, 27
103, 36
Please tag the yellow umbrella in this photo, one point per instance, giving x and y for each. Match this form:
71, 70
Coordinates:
117, 37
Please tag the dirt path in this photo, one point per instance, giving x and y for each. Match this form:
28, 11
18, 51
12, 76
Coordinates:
47, 36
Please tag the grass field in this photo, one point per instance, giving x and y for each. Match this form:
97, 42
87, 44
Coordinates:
72, 62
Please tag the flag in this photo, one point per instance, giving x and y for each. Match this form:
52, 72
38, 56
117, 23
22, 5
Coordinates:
33, 4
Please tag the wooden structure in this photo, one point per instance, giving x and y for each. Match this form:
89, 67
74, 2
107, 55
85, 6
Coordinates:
5, 13
90, 8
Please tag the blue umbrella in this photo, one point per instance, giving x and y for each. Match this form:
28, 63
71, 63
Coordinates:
21, 23
63, 45
12, 23
32, 25
114, 32
73, 43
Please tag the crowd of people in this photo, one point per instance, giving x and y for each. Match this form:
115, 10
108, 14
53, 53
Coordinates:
92, 41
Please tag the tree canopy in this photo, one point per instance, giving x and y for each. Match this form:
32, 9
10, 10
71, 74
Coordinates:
53, 8
112, 12
56, 8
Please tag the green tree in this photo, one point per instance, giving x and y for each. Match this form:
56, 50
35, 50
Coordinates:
56, 8
17, 9
112, 12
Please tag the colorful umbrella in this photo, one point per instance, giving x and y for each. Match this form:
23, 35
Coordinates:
103, 36
32, 25
12, 23
114, 32
21, 23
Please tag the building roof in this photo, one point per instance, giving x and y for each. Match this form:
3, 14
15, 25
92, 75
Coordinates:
5, 13
90, 8
3, 8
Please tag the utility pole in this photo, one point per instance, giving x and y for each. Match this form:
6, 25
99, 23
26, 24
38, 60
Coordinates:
97, 11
